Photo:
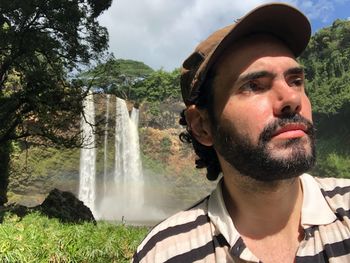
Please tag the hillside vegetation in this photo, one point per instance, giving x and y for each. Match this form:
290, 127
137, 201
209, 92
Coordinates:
327, 64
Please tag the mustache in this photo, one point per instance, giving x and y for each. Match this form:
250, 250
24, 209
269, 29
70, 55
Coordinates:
271, 128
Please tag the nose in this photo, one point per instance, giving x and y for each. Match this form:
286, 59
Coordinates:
287, 99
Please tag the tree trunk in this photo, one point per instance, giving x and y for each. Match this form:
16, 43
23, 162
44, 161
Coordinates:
5, 151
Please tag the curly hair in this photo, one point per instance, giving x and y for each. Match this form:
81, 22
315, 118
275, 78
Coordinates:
207, 157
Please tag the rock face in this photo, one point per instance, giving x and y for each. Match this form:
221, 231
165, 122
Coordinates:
66, 207
58, 204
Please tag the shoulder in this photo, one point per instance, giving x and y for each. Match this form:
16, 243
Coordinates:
336, 191
333, 186
177, 235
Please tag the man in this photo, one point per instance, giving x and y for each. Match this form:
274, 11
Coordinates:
249, 118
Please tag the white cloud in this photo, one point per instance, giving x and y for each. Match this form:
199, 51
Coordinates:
162, 33
342, 1
320, 9
323, 11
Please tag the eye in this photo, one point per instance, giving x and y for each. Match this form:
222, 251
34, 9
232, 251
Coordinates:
252, 86
296, 82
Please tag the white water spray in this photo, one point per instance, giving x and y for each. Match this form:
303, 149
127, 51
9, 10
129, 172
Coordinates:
105, 147
136, 175
128, 169
120, 194
87, 171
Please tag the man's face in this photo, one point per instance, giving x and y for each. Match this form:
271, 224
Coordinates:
262, 124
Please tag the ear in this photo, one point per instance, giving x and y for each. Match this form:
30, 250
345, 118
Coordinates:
199, 124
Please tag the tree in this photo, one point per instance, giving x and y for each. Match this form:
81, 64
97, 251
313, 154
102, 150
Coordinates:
158, 86
41, 43
117, 76
327, 68
160, 94
158, 91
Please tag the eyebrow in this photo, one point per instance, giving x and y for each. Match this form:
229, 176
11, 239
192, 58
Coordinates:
294, 71
254, 75
264, 73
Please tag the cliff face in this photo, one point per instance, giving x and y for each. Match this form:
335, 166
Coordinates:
168, 163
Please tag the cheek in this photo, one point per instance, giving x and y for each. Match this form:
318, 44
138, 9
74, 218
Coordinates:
258, 112
249, 119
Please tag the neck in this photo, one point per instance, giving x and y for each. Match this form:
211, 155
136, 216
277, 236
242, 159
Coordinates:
263, 208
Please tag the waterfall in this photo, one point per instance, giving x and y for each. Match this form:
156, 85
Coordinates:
87, 171
122, 151
116, 190
136, 175
128, 169
105, 147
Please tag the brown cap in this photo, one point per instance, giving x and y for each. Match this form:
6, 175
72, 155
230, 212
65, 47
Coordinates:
280, 20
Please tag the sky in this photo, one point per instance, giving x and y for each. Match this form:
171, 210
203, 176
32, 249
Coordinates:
163, 33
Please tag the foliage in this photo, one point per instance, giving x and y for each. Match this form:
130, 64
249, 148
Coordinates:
5, 151
165, 144
158, 86
135, 81
35, 238
157, 91
333, 157
38, 170
41, 43
117, 76
335, 165
159, 94
169, 164
327, 68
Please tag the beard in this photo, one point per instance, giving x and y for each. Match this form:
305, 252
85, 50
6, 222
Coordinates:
258, 161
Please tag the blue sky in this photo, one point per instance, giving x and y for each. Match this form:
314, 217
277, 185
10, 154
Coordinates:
162, 33
323, 13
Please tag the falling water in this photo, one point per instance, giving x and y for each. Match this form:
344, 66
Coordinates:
121, 141
105, 147
128, 171
120, 194
136, 175
87, 171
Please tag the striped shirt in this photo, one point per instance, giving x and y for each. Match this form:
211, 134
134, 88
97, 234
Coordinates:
206, 233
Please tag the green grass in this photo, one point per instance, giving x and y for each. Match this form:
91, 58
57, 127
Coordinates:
36, 238
333, 158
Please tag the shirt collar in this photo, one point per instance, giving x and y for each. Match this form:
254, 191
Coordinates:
220, 217
315, 209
